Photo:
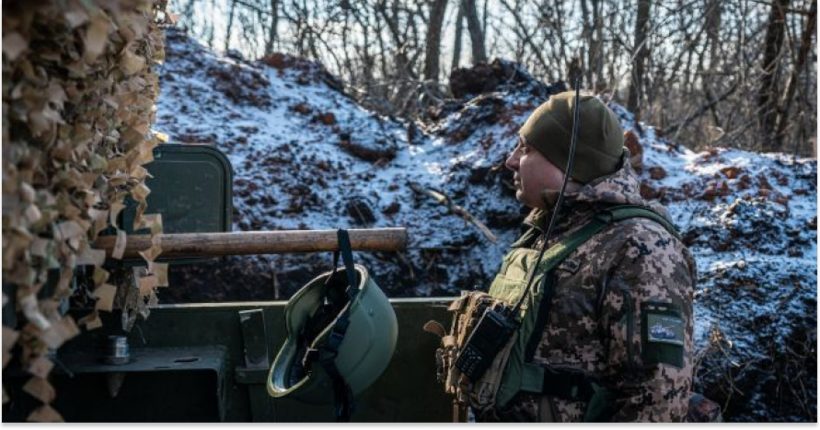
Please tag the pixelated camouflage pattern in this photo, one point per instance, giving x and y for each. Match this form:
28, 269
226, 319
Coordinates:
599, 289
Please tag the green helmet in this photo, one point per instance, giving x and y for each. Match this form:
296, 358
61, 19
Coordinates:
339, 339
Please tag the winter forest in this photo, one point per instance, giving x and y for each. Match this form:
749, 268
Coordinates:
728, 73
376, 114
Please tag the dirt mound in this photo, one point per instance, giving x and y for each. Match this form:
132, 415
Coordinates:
314, 159
754, 224
311, 72
500, 75
757, 312
760, 360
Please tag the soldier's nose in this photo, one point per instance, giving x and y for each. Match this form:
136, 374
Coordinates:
512, 161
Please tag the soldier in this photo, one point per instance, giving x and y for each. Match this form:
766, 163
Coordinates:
632, 275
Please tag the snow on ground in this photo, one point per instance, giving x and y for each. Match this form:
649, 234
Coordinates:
306, 156
292, 171
751, 221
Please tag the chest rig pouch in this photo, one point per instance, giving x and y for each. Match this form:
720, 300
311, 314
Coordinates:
514, 336
463, 380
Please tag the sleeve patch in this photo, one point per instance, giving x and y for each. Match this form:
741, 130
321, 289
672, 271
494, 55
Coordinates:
662, 333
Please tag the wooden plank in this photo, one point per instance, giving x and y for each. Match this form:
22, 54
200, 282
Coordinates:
259, 242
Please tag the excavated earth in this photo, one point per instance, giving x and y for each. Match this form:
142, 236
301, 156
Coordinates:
306, 156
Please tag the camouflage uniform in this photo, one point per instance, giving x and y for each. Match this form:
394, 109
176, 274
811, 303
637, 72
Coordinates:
598, 288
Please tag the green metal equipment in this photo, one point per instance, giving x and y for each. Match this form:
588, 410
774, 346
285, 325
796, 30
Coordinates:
210, 362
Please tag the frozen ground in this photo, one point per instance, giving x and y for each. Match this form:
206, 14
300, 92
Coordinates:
306, 156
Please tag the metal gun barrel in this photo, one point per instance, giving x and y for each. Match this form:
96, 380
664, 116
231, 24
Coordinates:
177, 245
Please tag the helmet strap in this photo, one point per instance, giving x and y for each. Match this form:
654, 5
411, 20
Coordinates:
342, 394
343, 403
346, 252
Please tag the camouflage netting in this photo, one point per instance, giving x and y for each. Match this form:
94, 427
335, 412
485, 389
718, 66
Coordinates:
79, 89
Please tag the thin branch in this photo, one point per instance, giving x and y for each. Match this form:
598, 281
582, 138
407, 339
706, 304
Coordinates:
454, 209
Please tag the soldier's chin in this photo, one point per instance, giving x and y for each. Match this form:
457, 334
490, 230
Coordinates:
519, 195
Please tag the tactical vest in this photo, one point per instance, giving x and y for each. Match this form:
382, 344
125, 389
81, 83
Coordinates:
519, 373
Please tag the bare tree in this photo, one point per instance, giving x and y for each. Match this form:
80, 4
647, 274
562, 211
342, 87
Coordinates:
457, 40
783, 116
476, 35
768, 95
588, 36
230, 25
640, 52
685, 66
272, 29
714, 15
433, 41
526, 35
391, 18
596, 48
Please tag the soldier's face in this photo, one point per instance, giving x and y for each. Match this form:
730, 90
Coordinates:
534, 174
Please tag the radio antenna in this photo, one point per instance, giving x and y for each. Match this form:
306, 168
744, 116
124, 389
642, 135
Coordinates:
576, 116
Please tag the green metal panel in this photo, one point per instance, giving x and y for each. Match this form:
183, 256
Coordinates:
158, 384
191, 187
193, 376
407, 391
257, 358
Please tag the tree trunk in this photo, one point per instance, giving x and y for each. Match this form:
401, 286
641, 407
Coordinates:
714, 15
272, 30
476, 35
640, 52
575, 70
587, 35
592, 35
791, 88
457, 41
768, 96
403, 66
484, 15
597, 47
230, 26
614, 53
433, 41
382, 44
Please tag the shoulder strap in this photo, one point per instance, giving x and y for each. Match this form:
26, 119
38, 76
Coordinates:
567, 245
622, 212
558, 252
527, 238
569, 383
